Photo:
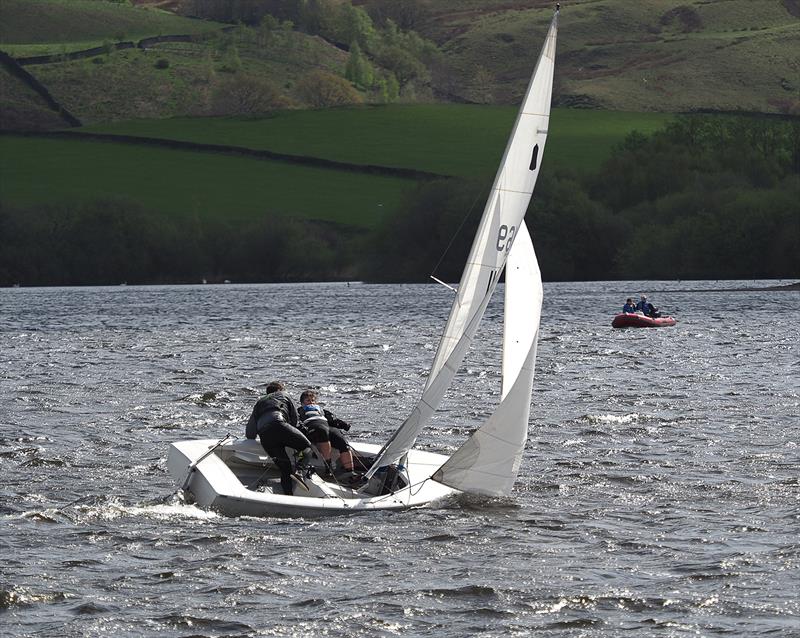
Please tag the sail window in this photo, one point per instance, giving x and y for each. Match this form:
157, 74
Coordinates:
534, 157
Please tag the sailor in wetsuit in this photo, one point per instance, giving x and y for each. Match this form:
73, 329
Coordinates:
325, 431
274, 420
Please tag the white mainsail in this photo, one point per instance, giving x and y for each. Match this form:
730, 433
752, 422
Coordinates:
501, 225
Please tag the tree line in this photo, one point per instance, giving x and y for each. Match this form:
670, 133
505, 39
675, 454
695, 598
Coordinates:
113, 241
708, 197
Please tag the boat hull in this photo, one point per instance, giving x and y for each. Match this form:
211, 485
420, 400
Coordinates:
238, 479
633, 320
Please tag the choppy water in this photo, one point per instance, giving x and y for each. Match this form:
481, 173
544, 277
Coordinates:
659, 494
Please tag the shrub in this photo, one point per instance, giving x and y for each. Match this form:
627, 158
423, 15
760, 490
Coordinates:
244, 94
320, 89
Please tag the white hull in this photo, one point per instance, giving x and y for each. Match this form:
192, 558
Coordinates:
239, 479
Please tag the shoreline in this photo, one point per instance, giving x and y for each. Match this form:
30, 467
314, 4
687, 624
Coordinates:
792, 287
782, 288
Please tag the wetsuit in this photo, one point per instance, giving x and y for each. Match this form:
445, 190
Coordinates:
323, 426
273, 419
629, 308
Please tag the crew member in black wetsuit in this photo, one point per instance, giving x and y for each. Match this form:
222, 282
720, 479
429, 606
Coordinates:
325, 431
274, 420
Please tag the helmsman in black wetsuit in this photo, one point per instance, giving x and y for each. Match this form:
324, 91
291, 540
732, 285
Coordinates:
274, 421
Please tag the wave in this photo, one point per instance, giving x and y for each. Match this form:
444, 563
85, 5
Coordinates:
612, 418
107, 509
24, 597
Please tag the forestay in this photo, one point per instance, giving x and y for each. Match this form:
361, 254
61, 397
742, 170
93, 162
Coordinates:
501, 227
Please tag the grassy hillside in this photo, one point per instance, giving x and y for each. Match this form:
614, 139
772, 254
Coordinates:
652, 55
186, 78
461, 140
647, 55
33, 27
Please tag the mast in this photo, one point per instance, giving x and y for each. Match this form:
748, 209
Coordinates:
501, 222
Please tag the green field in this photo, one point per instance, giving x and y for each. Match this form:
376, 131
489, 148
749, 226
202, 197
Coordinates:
34, 27
36, 171
460, 140
457, 140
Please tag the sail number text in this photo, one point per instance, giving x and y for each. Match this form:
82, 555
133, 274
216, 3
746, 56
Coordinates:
505, 237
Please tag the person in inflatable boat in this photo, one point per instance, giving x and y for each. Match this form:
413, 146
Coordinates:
629, 306
325, 431
646, 308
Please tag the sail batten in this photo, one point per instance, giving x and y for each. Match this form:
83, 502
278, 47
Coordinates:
508, 190
501, 227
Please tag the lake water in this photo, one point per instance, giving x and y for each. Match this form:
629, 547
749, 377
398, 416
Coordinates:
659, 494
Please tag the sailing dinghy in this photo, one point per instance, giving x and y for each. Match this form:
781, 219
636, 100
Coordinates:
236, 477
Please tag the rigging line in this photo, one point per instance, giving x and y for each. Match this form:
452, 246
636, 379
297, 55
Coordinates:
421, 483
268, 467
458, 230
394, 494
316, 452
254, 484
381, 497
335, 480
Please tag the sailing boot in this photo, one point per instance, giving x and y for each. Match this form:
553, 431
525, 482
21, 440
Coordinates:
302, 464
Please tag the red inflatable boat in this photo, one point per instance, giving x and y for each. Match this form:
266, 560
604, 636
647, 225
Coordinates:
635, 320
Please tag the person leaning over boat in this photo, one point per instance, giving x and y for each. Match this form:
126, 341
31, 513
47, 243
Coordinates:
325, 431
629, 306
647, 309
274, 421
